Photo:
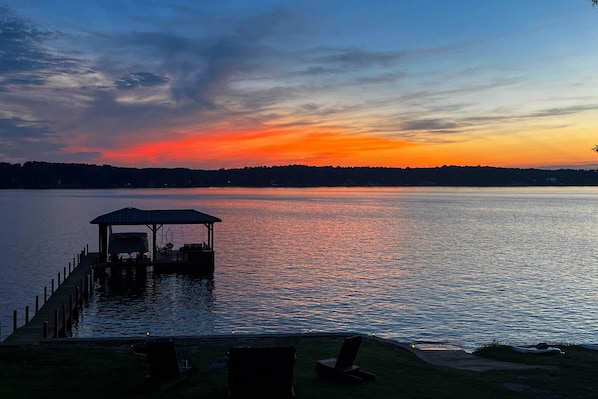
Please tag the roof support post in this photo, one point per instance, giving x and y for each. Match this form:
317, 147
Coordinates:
103, 242
154, 228
210, 227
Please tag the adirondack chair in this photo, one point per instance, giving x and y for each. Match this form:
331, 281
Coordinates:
166, 366
342, 367
261, 372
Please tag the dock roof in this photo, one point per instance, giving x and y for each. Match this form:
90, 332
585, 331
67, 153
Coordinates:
134, 216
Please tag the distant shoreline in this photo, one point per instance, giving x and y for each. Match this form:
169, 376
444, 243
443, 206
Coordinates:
45, 175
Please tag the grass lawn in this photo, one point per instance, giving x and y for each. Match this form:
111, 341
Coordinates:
109, 369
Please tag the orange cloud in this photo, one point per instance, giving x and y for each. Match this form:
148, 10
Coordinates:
263, 147
223, 147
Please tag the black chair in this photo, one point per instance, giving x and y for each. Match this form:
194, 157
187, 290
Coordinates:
167, 367
261, 372
343, 367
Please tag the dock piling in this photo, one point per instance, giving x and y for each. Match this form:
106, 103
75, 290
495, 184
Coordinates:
64, 318
56, 323
36, 303
87, 283
27, 314
71, 308
52, 291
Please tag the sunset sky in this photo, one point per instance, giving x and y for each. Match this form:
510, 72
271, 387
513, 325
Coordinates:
224, 84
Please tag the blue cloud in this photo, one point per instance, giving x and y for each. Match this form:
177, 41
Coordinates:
139, 79
22, 49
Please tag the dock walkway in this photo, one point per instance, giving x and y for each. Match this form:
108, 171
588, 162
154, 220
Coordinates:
53, 319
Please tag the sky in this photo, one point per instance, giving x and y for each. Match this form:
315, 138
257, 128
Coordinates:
240, 83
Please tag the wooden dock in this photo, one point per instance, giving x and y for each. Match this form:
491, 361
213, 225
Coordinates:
56, 315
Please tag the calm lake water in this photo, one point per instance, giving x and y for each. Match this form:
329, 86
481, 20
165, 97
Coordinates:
464, 265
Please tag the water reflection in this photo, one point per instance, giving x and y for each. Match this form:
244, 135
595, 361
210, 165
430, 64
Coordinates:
126, 282
130, 301
412, 264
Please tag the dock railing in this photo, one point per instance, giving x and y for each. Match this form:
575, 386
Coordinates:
61, 304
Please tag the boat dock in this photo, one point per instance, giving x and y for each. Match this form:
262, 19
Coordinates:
55, 317
61, 306
196, 258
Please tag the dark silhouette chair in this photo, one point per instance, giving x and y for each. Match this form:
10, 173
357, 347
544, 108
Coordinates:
167, 367
342, 367
261, 372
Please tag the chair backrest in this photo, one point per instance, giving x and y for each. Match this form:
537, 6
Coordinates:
162, 359
348, 353
258, 370
244, 364
278, 363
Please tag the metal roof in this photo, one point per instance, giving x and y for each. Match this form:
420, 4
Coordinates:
134, 216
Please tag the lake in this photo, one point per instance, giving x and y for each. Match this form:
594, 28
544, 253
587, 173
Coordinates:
464, 265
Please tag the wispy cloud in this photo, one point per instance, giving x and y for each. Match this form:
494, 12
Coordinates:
150, 73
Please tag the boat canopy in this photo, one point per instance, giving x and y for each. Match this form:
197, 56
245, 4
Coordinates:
128, 243
154, 219
134, 216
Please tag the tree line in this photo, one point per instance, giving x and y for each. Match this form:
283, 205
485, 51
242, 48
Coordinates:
45, 175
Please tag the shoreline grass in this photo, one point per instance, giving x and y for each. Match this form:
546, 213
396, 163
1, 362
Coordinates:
108, 368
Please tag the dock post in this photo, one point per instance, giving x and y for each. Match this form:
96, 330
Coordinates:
56, 323
52, 291
45, 329
64, 272
91, 279
36, 303
27, 314
58, 280
45, 295
87, 284
64, 318
69, 267
71, 308
14, 320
